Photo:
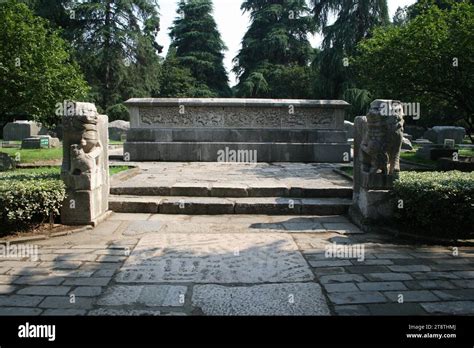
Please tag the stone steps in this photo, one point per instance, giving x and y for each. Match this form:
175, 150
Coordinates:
232, 190
220, 205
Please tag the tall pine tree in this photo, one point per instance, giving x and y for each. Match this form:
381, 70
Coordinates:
116, 46
199, 48
354, 20
275, 45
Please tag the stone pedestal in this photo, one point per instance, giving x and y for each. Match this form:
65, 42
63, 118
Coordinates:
185, 130
85, 168
377, 145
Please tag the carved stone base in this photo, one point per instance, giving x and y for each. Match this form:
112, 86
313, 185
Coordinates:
377, 181
374, 204
85, 207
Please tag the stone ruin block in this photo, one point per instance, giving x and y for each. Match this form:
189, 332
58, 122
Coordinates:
438, 134
85, 168
19, 130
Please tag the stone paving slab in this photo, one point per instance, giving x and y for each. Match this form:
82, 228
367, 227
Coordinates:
147, 295
267, 299
234, 264
215, 258
268, 175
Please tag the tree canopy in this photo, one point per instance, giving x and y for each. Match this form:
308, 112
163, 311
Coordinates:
275, 45
354, 22
199, 48
429, 60
36, 70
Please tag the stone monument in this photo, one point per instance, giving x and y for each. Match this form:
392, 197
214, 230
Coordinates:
85, 168
377, 145
20, 130
277, 130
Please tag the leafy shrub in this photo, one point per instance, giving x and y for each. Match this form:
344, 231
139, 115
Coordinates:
118, 112
436, 203
30, 200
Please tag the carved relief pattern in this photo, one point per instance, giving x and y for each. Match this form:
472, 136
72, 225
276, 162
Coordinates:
237, 117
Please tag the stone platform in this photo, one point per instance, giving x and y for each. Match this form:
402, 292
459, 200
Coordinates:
199, 129
224, 188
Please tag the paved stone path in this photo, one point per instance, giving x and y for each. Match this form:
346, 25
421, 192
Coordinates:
142, 264
268, 175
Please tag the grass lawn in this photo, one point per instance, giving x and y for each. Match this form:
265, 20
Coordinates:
34, 155
47, 172
117, 169
466, 152
348, 170
115, 142
412, 157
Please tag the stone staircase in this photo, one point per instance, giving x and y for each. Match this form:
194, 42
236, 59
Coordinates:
220, 198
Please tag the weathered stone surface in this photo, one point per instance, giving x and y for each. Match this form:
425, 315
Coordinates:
44, 290
351, 310
379, 286
18, 311
341, 287
20, 301
357, 297
141, 227
410, 268
411, 296
65, 312
439, 133
388, 276
458, 294
262, 129
85, 168
147, 295
95, 281
20, 130
342, 278
118, 129
39, 280
87, 291
7, 279
7, 289
123, 312
449, 308
65, 302
377, 145
430, 284
215, 258
267, 299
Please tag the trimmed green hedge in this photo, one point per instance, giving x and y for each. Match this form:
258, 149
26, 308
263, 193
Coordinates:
27, 199
436, 203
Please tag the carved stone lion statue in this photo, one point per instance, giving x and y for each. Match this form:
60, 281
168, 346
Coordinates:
81, 163
382, 136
